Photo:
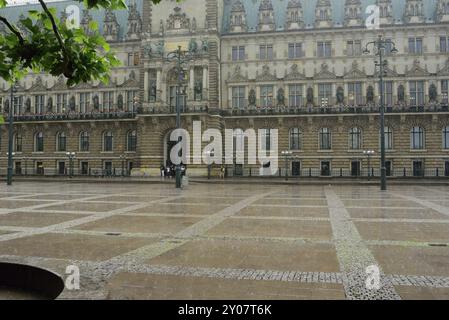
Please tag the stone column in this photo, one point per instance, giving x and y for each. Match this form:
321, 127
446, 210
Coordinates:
191, 83
145, 86
205, 85
158, 85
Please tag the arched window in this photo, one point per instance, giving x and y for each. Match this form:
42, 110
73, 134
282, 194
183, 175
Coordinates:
325, 139
61, 141
39, 142
17, 142
417, 138
84, 141
355, 139
131, 141
295, 139
446, 138
108, 141
388, 138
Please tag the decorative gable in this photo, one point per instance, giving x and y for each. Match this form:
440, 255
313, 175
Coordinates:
416, 70
38, 85
294, 74
355, 72
325, 73
237, 76
266, 75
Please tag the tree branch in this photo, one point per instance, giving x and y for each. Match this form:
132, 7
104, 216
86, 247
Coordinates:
13, 29
53, 23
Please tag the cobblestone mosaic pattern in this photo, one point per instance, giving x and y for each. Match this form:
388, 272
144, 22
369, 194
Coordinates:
138, 241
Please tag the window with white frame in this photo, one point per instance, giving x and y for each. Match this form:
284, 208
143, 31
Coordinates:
84, 102
238, 53
131, 141
266, 52
61, 141
266, 96
444, 91
444, 44
61, 102
18, 105
108, 141
324, 93
295, 139
355, 139
415, 46
354, 48
417, 138
39, 142
39, 103
355, 93
130, 97
324, 49
295, 95
108, 101
416, 93
265, 139
238, 97
325, 139
84, 141
295, 50
446, 138
388, 138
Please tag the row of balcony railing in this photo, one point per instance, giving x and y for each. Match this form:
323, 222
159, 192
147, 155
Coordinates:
268, 110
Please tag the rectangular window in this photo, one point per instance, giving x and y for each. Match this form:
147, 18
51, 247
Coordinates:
266, 96
136, 59
130, 59
265, 143
416, 93
324, 94
84, 102
354, 48
324, 49
182, 97
355, 95
444, 44
266, 52
61, 102
444, 91
295, 95
388, 47
238, 97
295, 50
238, 53
130, 95
18, 105
39, 103
108, 101
415, 46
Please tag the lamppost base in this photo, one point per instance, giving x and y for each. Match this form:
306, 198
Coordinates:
178, 177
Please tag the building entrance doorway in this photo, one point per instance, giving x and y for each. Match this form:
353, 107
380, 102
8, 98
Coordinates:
296, 168
355, 168
418, 168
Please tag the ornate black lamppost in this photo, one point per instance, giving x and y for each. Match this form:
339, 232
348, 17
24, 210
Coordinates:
379, 47
71, 156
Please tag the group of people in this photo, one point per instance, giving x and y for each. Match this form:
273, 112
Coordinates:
170, 170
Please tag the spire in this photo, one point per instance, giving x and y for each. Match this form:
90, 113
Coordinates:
134, 22
266, 16
323, 14
414, 11
238, 17
353, 13
294, 15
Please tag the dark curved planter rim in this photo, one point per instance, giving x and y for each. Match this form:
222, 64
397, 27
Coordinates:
42, 282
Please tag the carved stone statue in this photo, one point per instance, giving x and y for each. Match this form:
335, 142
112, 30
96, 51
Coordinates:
120, 102
50, 105
252, 97
340, 95
433, 93
370, 94
28, 105
160, 48
96, 103
6, 110
280, 97
198, 88
193, 24
72, 104
204, 45
193, 46
310, 96
401, 93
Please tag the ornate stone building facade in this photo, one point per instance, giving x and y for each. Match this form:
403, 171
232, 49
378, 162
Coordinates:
296, 66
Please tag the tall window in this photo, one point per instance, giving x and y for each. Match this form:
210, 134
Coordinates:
444, 44
444, 91
295, 50
388, 138
131, 142
39, 102
295, 95
355, 139
18, 105
84, 102
388, 93
108, 101
324, 49
415, 46
108, 141
17, 142
325, 139
238, 53
417, 138
265, 141
61, 141
266, 96
238, 97
133, 59
61, 102
355, 93
354, 48
324, 93
84, 141
182, 97
388, 47
416, 93
295, 139
39, 142
266, 52
130, 95
446, 138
